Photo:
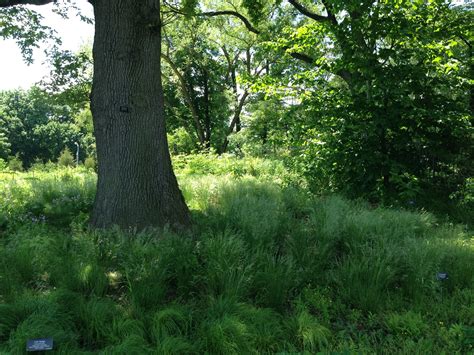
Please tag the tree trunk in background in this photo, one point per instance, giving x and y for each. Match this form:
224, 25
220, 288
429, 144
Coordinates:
136, 185
207, 111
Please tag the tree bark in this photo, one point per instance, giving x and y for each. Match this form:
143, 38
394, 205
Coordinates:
187, 98
235, 119
136, 185
207, 110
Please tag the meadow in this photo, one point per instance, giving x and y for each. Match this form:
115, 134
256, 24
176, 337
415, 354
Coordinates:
267, 268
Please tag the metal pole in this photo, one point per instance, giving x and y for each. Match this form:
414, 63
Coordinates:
77, 153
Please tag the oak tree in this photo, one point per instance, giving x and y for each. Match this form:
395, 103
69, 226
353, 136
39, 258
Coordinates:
136, 185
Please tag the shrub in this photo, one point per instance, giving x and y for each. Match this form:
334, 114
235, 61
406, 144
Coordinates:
3, 165
181, 142
66, 158
90, 163
15, 164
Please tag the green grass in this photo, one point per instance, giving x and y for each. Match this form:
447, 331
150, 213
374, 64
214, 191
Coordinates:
267, 268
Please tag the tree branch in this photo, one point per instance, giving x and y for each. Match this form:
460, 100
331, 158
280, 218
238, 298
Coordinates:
309, 13
344, 74
302, 56
237, 112
230, 13
8, 3
187, 97
465, 40
234, 13
330, 12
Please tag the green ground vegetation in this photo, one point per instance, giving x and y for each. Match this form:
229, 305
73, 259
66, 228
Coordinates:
267, 268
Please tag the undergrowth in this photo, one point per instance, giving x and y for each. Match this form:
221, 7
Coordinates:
266, 269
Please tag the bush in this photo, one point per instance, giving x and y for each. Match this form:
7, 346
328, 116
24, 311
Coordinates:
90, 163
15, 164
3, 165
66, 158
181, 142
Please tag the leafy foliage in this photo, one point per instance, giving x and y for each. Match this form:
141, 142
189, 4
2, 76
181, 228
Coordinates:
379, 104
25, 27
37, 127
369, 99
66, 158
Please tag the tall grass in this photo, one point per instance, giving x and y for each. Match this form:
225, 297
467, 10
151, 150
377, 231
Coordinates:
267, 268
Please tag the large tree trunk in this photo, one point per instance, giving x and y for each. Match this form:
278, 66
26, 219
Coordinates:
136, 185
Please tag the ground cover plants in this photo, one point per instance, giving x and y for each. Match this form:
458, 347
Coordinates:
267, 268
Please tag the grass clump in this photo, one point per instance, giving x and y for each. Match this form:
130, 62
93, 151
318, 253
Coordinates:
409, 324
267, 268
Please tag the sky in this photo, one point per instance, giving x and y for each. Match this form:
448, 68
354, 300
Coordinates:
14, 73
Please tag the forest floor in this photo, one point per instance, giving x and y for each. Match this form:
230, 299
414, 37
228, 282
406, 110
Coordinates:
267, 268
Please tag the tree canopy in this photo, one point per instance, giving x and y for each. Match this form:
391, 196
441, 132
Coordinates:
373, 99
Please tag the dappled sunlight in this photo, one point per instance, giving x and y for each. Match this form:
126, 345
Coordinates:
238, 177
266, 267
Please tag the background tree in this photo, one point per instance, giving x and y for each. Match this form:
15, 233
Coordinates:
36, 126
4, 145
383, 96
192, 64
372, 99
